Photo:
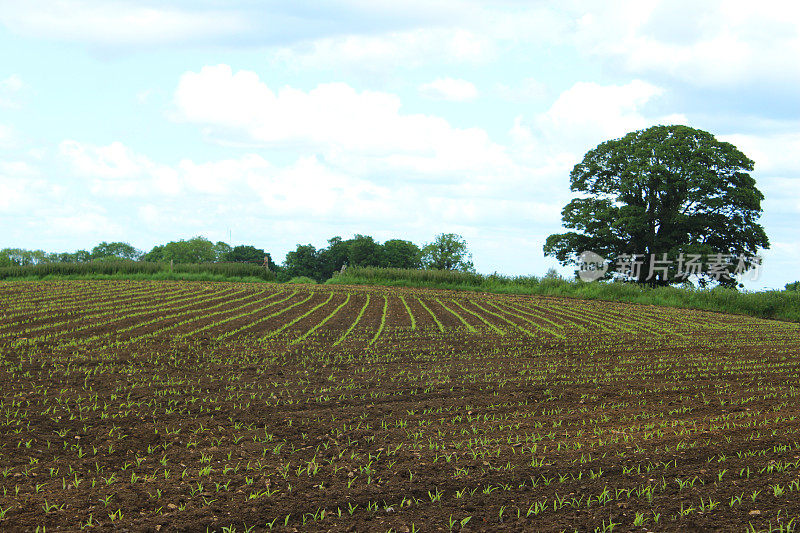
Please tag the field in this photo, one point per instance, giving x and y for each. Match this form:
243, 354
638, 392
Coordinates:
190, 406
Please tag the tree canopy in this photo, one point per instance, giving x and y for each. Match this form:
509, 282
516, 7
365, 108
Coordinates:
361, 250
115, 250
448, 251
247, 254
364, 251
664, 190
194, 250
305, 261
302, 262
398, 253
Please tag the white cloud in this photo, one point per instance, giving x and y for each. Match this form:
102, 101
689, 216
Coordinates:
381, 54
12, 84
86, 223
21, 187
364, 130
143, 96
220, 177
525, 91
308, 189
113, 162
17, 168
116, 170
774, 154
7, 136
787, 251
150, 215
777, 169
12, 193
713, 43
588, 109
239, 23
587, 114
371, 157
448, 32
305, 188
9, 87
450, 89
117, 23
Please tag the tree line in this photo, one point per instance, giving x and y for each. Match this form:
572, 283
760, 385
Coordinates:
447, 251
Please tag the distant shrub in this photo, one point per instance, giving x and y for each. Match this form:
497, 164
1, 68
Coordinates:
302, 279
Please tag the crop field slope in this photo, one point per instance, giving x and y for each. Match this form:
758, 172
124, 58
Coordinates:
189, 406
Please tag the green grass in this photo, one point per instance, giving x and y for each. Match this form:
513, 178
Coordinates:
778, 305
139, 270
175, 276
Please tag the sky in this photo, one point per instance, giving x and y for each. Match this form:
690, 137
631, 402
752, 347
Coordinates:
280, 123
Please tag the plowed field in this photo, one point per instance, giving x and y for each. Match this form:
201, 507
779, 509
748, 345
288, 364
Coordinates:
177, 406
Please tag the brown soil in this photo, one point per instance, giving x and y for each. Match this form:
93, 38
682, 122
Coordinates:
465, 431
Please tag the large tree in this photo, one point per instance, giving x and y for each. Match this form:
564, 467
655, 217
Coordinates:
448, 251
364, 251
334, 256
665, 190
398, 253
304, 261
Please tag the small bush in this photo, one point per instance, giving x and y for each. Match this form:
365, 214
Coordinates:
302, 279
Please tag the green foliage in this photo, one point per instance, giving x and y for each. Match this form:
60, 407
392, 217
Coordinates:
333, 257
360, 251
794, 286
447, 252
302, 279
780, 305
303, 262
666, 189
248, 254
155, 255
80, 256
115, 250
136, 269
364, 251
222, 250
18, 256
195, 250
398, 253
